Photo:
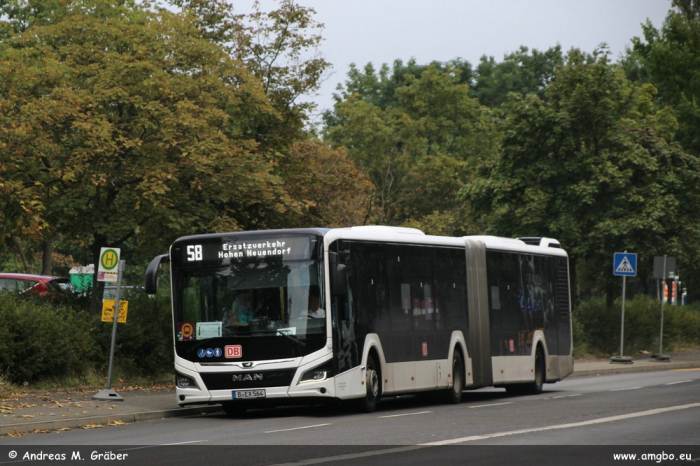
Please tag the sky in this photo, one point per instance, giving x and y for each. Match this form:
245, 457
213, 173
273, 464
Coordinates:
381, 31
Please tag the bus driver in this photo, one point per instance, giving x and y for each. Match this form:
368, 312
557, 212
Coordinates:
241, 312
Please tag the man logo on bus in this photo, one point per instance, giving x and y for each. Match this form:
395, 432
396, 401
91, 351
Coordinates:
233, 351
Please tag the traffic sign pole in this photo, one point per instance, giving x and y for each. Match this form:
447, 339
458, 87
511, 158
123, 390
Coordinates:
108, 393
622, 325
624, 264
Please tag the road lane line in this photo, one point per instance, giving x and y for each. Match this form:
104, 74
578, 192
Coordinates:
351, 456
621, 417
161, 445
566, 396
389, 451
399, 415
616, 390
671, 383
294, 428
486, 406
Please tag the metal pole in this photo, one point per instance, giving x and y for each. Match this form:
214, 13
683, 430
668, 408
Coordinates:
663, 300
114, 326
108, 393
622, 326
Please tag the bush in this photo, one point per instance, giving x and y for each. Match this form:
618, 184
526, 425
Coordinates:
57, 339
40, 339
144, 344
598, 329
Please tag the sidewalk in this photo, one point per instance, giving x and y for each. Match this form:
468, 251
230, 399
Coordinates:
41, 412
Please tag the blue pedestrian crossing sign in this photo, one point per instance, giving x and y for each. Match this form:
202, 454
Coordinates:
625, 264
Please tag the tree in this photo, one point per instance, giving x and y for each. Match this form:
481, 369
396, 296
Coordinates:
279, 48
521, 71
418, 150
120, 122
591, 165
668, 58
335, 192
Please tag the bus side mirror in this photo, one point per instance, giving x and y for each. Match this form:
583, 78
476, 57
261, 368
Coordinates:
152, 273
339, 276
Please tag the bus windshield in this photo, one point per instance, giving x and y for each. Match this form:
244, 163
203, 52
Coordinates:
280, 298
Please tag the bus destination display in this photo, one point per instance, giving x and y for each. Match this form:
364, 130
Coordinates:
247, 249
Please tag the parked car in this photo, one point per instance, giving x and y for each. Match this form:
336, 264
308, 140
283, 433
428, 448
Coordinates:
42, 284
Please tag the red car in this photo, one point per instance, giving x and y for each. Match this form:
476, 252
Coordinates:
42, 284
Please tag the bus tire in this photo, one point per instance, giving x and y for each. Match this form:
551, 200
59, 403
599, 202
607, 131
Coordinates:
235, 409
453, 395
370, 401
535, 388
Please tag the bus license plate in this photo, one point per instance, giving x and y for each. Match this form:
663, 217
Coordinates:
241, 394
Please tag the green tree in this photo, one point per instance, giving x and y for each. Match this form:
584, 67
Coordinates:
668, 58
120, 122
417, 142
522, 71
591, 165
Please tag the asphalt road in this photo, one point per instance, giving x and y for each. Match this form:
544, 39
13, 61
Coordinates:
659, 409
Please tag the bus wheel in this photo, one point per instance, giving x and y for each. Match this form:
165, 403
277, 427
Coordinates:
372, 377
454, 395
235, 409
535, 387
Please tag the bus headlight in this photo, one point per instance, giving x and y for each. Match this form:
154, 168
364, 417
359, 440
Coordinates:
184, 381
318, 374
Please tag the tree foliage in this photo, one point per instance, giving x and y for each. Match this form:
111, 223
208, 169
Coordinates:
668, 58
591, 165
416, 141
522, 71
120, 122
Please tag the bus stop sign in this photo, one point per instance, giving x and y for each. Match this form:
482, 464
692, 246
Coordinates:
625, 264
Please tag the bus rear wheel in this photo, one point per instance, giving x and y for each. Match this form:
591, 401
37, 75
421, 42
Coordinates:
453, 395
370, 401
534, 387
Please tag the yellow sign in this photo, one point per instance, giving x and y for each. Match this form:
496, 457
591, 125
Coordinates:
108, 310
107, 269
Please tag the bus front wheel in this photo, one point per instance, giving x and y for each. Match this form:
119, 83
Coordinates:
369, 402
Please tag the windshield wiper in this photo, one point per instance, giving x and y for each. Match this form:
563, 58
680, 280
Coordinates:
294, 339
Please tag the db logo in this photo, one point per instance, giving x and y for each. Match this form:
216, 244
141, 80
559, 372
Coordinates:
234, 351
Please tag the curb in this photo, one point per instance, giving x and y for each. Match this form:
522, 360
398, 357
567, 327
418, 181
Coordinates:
629, 368
30, 427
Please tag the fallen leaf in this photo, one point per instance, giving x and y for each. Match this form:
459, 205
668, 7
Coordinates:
91, 426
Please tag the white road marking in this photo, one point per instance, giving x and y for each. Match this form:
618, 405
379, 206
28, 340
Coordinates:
351, 456
486, 406
162, 445
566, 396
672, 383
296, 428
407, 414
179, 443
622, 417
616, 390
389, 451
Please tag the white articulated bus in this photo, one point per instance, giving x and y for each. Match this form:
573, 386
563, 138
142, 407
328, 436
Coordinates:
400, 312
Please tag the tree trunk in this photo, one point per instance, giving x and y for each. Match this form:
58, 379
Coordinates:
46, 257
21, 254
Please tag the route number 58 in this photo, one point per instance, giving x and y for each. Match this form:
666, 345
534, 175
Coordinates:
194, 252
